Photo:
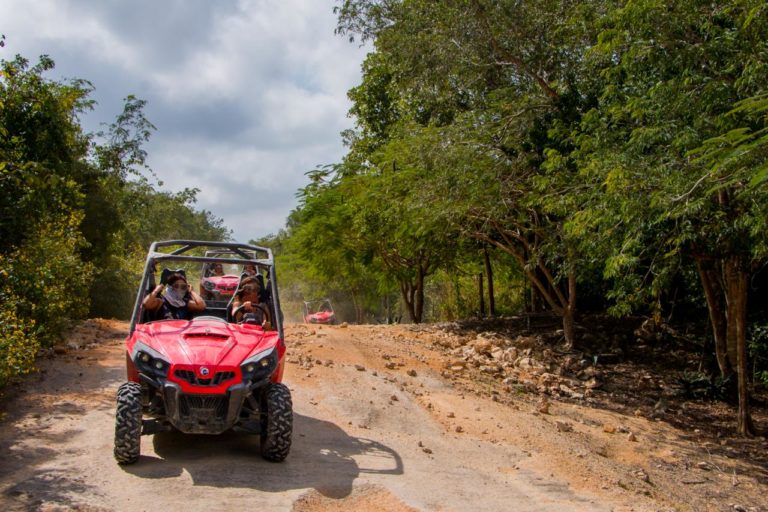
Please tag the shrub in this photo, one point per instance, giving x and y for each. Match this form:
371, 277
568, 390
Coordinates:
758, 352
45, 278
18, 343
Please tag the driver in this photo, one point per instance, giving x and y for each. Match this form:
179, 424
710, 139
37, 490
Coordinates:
218, 270
247, 306
174, 301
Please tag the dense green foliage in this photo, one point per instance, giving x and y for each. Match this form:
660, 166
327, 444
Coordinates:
614, 152
77, 211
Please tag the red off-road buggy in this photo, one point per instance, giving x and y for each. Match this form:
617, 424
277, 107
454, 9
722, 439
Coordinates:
206, 375
218, 281
319, 312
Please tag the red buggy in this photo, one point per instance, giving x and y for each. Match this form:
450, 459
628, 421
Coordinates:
319, 312
205, 375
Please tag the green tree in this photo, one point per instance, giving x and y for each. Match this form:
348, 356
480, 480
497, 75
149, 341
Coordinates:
42, 148
669, 184
393, 213
506, 83
42, 164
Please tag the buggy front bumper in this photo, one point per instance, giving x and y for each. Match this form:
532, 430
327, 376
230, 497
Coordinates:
203, 414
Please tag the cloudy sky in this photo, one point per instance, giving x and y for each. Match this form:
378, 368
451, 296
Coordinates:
247, 95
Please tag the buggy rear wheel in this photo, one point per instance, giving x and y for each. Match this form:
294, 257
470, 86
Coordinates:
277, 429
128, 423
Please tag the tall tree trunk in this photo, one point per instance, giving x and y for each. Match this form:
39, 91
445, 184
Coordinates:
413, 296
419, 306
489, 273
729, 269
481, 294
569, 313
407, 291
737, 282
562, 303
730, 277
544, 283
537, 300
354, 305
569, 328
713, 291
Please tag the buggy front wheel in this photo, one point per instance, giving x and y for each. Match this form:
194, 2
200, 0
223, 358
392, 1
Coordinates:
277, 428
128, 423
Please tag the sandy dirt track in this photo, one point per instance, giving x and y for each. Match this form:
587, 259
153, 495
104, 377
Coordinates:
377, 427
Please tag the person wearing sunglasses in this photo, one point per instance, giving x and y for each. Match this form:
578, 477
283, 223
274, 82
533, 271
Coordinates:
174, 301
247, 306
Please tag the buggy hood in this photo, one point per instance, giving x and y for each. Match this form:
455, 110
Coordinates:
208, 343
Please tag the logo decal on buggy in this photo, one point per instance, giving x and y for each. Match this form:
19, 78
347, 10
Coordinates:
204, 371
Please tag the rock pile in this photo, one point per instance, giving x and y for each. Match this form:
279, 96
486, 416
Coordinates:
519, 362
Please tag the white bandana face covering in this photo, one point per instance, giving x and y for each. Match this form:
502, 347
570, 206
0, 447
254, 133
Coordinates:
175, 297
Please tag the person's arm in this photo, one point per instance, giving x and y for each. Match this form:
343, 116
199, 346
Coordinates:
267, 323
238, 308
154, 300
196, 303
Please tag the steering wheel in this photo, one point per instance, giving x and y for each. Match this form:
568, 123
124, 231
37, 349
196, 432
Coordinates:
250, 318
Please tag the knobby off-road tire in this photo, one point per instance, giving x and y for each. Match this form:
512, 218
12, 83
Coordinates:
276, 441
128, 423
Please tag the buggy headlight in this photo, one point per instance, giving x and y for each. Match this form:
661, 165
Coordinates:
209, 286
149, 362
259, 366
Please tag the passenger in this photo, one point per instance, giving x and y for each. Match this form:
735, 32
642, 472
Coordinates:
174, 300
247, 306
249, 270
218, 270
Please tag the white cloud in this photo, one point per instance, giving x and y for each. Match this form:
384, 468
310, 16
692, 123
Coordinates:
247, 95
45, 25
261, 43
297, 114
252, 189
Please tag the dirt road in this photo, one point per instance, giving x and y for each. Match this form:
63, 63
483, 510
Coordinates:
377, 427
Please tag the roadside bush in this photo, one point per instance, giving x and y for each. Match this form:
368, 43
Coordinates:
43, 287
113, 290
18, 342
758, 352
47, 279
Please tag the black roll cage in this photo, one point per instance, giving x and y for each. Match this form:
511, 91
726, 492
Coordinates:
155, 255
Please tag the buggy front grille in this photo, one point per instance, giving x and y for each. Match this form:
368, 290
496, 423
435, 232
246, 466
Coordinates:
203, 407
218, 378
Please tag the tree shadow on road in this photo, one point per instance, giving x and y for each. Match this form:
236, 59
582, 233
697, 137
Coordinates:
323, 456
36, 433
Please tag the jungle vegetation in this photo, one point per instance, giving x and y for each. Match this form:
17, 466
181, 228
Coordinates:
583, 156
